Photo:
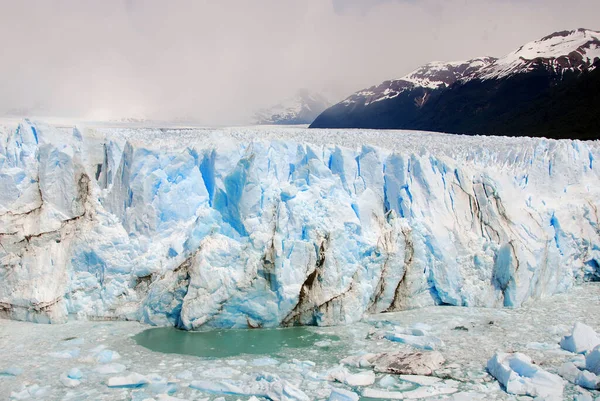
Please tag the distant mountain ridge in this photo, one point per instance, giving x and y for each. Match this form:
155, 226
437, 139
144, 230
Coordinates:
488, 95
302, 108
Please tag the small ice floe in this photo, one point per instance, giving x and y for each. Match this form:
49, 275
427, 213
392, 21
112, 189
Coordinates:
339, 394
582, 339
274, 390
236, 362
110, 368
416, 337
575, 371
304, 364
75, 374
72, 378
592, 361
517, 373
217, 387
589, 380
343, 375
132, 380
185, 375
166, 397
221, 373
583, 397
27, 392
265, 362
421, 380
107, 356
66, 354
68, 382
541, 346
422, 363
382, 394
11, 371
424, 392
159, 385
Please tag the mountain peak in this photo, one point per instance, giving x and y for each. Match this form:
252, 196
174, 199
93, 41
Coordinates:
561, 51
302, 108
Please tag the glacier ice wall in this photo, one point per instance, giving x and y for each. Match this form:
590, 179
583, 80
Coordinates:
263, 227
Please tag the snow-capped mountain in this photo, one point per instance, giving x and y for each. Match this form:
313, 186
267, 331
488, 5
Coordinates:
435, 75
301, 108
558, 53
509, 95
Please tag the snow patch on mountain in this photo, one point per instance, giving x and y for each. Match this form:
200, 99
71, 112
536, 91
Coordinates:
575, 50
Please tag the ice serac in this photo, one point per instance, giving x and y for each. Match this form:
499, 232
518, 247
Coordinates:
267, 227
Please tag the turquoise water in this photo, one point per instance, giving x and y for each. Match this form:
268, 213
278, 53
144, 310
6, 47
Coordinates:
228, 343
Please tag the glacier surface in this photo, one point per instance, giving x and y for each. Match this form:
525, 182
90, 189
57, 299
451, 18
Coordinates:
261, 227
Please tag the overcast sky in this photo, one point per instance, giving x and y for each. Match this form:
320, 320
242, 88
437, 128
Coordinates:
218, 61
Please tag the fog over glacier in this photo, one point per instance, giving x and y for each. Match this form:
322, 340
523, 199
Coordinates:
217, 62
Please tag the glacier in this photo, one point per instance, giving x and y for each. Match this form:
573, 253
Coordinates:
264, 227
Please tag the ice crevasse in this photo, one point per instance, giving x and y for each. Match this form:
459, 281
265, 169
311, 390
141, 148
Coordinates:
261, 227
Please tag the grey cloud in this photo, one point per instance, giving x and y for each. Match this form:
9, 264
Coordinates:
217, 62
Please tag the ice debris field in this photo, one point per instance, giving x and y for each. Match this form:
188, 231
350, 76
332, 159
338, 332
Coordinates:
267, 227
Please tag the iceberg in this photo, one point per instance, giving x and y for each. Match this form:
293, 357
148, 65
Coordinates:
520, 376
265, 227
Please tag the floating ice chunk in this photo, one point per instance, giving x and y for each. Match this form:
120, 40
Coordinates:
33, 391
421, 380
110, 368
588, 380
342, 375
217, 387
592, 361
424, 392
236, 362
339, 394
387, 381
75, 374
520, 376
422, 326
381, 394
12, 371
132, 380
583, 397
106, 356
166, 397
422, 363
284, 391
221, 373
360, 361
304, 364
579, 361
541, 346
264, 362
417, 341
185, 375
66, 354
583, 338
569, 371
68, 382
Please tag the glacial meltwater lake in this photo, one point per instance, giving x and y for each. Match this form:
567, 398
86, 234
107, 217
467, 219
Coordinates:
227, 343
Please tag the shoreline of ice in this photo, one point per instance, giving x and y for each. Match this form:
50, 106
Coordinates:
45, 356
